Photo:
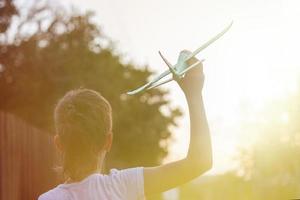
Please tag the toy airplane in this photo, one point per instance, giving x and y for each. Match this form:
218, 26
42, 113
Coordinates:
180, 68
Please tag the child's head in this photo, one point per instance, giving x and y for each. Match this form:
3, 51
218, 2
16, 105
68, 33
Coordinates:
83, 122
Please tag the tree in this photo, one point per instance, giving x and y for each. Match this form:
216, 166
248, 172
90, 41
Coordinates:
68, 51
7, 10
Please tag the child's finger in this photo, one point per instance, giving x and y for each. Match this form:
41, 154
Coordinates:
198, 68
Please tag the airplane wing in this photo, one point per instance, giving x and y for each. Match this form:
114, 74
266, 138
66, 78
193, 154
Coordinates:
142, 88
209, 42
161, 83
138, 90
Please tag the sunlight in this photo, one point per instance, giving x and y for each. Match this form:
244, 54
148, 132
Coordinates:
255, 63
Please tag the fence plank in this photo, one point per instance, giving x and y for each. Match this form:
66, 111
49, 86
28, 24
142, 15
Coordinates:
26, 162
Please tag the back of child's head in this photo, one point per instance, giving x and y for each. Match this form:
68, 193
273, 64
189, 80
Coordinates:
83, 120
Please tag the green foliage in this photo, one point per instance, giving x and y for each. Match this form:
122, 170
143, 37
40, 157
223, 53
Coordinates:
71, 52
272, 163
225, 186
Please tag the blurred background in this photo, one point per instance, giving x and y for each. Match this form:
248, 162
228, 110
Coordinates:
252, 93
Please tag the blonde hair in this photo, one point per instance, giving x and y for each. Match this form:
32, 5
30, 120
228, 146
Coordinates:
83, 118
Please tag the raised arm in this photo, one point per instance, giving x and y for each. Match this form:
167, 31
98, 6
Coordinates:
199, 158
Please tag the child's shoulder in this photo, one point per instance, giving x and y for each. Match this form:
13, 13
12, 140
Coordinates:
54, 194
127, 183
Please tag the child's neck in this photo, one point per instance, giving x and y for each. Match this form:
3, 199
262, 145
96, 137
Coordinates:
97, 169
72, 180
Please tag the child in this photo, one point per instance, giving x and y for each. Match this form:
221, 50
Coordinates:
83, 121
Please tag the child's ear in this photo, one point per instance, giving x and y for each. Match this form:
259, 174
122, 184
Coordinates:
108, 142
57, 142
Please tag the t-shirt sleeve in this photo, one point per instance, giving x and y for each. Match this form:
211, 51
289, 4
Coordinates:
132, 180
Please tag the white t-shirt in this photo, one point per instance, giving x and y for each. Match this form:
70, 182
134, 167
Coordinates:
125, 184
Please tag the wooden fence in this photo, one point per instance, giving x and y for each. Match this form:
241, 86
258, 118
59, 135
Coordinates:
27, 160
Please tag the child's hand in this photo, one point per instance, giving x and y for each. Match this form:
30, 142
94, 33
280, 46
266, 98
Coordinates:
193, 81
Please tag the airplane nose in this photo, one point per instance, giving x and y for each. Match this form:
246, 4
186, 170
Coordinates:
185, 52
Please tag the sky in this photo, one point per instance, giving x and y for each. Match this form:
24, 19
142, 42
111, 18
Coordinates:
254, 63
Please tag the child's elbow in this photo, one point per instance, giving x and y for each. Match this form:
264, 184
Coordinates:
198, 165
204, 166
209, 164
